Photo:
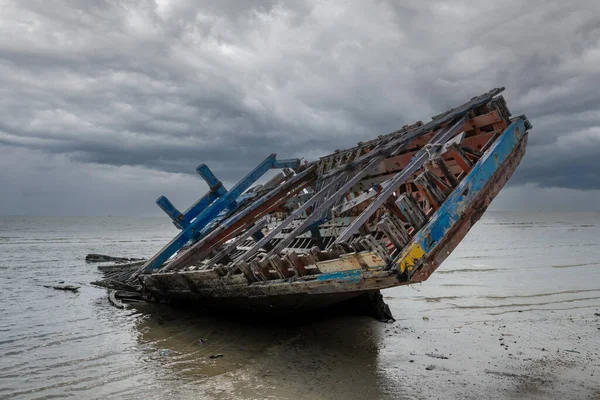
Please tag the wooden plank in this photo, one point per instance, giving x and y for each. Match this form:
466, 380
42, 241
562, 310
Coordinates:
399, 239
247, 271
236, 242
443, 167
371, 260
416, 163
483, 120
428, 187
339, 264
460, 157
280, 266
413, 213
296, 263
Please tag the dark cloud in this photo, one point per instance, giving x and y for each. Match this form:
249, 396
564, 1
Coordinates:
161, 86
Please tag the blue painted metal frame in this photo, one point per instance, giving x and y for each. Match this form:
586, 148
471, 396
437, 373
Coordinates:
208, 210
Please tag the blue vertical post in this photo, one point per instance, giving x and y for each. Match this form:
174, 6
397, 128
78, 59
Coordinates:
182, 220
193, 230
213, 183
216, 190
171, 211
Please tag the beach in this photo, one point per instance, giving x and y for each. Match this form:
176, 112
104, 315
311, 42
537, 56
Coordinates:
513, 313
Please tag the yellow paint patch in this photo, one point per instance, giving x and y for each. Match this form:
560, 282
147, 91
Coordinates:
410, 258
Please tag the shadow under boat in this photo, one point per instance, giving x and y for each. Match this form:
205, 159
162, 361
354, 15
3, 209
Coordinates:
250, 357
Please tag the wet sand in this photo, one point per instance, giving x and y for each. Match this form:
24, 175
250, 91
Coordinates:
511, 314
528, 355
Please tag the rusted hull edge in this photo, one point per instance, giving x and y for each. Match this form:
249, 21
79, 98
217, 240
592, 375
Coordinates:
340, 285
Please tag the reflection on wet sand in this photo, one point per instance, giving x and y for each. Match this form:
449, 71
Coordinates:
523, 330
329, 357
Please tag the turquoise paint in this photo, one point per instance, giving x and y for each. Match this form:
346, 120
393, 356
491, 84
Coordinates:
470, 187
455, 205
352, 276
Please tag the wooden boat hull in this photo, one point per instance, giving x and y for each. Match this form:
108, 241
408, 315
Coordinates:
359, 273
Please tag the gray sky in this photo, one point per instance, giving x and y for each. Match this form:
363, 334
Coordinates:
105, 105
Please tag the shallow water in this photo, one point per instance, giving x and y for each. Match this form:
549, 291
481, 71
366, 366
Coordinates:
537, 275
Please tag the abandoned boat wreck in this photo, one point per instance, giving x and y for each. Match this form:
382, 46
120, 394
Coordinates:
384, 213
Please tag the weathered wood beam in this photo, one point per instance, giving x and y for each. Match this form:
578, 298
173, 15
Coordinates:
482, 120
211, 180
297, 263
289, 163
326, 204
398, 238
259, 208
411, 210
427, 186
443, 167
233, 245
460, 157
417, 163
439, 182
434, 124
182, 220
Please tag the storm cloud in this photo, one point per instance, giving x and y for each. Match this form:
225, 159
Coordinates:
104, 105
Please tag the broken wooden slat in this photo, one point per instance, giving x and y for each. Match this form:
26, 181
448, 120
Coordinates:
233, 245
385, 226
247, 271
460, 157
413, 213
416, 163
401, 227
265, 267
296, 263
443, 167
439, 182
279, 266
395, 233
483, 120
370, 242
258, 271
428, 187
